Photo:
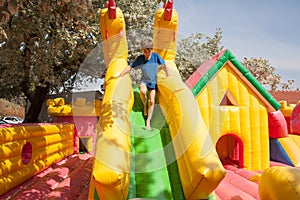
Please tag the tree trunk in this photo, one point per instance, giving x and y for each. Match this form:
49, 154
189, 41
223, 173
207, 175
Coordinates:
36, 104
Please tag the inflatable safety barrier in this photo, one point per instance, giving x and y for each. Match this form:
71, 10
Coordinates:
28, 149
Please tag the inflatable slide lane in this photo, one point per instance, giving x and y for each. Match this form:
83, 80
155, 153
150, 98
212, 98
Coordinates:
110, 175
200, 169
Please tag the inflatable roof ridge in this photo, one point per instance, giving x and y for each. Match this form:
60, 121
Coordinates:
206, 71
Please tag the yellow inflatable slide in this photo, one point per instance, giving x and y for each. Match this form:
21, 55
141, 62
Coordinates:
199, 167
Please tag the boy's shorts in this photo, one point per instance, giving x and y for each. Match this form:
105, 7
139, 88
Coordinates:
150, 86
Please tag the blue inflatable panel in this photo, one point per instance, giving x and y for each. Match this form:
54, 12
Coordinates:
278, 154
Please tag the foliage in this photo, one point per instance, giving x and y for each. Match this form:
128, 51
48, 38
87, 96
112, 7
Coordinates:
194, 50
262, 70
46, 43
53, 38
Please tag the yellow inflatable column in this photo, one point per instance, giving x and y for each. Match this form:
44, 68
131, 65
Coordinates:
278, 182
199, 166
110, 175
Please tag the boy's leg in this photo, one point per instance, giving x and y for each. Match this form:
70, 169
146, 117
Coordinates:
143, 95
151, 107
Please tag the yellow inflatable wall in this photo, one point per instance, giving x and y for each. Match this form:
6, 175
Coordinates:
286, 109
28, 149
287, 112
58, 107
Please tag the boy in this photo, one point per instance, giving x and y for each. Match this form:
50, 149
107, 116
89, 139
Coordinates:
148, 62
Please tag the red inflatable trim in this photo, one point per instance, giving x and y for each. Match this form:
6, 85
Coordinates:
295, 120
277, 125
112, 9
168, 10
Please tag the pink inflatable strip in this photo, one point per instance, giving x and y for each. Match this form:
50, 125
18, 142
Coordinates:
47, 180
240, 178
274, 163
242, 183
23, 186
227, 191
42, 185
247, 174
75, 184
202, 69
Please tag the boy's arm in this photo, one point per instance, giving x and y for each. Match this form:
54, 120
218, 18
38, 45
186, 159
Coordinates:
166, 70
125, 71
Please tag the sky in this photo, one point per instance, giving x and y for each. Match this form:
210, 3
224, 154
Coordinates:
269, 29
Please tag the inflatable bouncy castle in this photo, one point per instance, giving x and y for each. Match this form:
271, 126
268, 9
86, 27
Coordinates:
220, 135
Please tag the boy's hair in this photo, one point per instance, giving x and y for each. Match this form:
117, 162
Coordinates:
146, 43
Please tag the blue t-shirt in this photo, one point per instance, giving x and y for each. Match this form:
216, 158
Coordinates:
149, 68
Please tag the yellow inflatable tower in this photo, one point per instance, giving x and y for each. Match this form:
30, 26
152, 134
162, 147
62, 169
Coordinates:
200, 169
110, 175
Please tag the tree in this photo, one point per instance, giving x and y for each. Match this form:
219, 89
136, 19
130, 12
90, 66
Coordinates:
196, 49
46, 43
262, 70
